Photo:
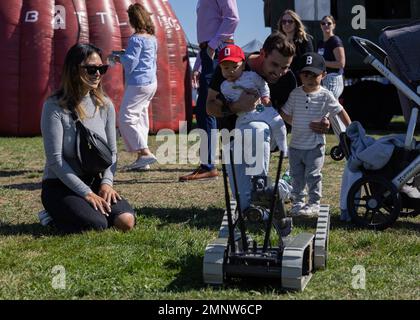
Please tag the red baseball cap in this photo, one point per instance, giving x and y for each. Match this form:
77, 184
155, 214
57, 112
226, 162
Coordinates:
231, 53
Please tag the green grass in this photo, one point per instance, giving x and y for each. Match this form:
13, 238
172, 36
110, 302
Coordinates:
162, 257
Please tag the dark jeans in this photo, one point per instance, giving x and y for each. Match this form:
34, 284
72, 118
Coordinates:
204, 121
71, 213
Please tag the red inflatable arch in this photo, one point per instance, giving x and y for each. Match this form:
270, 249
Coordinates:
36, 34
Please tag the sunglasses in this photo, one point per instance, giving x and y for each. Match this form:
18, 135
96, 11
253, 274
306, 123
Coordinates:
91, 70
287, 21
326, 23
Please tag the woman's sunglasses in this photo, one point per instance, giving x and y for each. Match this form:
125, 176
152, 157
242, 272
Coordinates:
91, 70
287, 21
326, 23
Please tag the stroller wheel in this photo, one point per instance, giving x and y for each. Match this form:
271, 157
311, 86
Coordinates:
373, 202
336, 153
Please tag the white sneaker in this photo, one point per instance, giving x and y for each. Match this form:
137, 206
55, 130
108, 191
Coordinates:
44, 218
309, 210
142, 162
296, 208
145, 168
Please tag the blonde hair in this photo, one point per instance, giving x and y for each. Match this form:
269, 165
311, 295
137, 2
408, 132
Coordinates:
140, 19
300, 33
71, 91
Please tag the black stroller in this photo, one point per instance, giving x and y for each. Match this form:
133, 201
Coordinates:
378, 198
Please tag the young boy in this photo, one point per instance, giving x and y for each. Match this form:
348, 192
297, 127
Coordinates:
308, 103
232, 64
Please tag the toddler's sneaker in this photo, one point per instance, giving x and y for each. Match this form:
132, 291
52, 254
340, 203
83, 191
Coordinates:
310, 210
296, 208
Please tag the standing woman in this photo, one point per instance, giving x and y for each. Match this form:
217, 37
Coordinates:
76, 201
290, 24
139, 61
332, 49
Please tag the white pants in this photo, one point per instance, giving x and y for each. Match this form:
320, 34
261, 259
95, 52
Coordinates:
244, 170
271, 117
335, 83
134, 116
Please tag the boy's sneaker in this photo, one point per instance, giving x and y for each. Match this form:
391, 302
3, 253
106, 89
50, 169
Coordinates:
296, 208
44, 218
310, 210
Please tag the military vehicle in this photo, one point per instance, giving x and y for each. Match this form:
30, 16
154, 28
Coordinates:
368, 97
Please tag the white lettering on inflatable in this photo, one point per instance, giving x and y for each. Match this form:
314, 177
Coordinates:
174, 23
160, 21
31, 16
168, 23
118, 21
79, 15
59, 20
102, 14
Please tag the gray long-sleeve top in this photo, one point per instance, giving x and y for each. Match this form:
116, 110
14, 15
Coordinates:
59, 135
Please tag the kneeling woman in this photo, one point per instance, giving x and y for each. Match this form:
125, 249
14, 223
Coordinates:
75, 201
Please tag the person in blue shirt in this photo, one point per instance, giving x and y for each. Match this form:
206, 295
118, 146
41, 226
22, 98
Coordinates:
139, 62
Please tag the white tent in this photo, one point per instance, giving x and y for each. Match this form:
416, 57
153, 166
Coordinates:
253, 46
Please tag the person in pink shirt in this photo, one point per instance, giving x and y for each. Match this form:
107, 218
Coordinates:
216, 24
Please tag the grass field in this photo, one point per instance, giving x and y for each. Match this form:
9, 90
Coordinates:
162, 257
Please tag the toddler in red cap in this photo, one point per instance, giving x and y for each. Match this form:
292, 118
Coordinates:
232, 65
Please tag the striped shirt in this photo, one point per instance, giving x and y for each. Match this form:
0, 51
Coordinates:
306, 107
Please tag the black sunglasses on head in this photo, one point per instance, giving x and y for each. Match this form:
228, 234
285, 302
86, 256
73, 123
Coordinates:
91, 70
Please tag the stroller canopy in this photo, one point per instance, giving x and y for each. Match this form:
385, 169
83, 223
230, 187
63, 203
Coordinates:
402, 45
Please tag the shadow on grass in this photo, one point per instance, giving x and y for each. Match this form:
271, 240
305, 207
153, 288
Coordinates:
310, 222
24, 186
403, 224
157, 169
171, 170
190, 277
146, 181
34, 229
14, 173
210, 218
337, 224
